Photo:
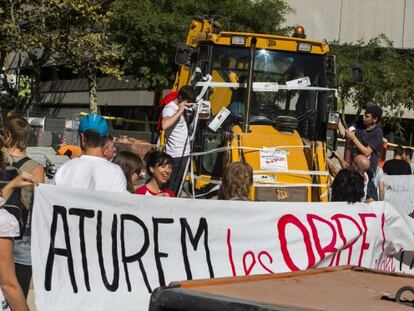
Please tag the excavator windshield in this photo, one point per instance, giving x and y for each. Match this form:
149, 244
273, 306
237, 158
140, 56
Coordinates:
230, 64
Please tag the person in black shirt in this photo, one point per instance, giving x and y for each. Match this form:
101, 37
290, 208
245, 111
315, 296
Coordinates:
408, 157
397, 166
367, 141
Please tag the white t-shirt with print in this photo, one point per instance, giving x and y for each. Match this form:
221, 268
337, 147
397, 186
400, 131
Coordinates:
177, 134
9, 228
90, 172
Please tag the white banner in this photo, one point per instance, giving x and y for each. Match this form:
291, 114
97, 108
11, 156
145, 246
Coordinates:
399, 191
106, 251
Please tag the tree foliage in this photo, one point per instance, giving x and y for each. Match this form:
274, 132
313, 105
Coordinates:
388, 76
23, 27
150, 30
83, 45
23, 30
70, 33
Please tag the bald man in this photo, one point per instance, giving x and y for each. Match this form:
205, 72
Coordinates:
360, 163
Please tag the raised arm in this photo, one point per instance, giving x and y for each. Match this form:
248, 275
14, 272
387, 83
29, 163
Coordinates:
169, 121
341, 128
341, 160
23, 180
365, 150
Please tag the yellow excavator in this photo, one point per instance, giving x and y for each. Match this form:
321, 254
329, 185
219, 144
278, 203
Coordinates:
265, 99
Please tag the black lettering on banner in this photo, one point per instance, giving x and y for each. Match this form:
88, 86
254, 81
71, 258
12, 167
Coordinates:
138, 255
202, 228
59, 210
158, 255
115, 283
82, 213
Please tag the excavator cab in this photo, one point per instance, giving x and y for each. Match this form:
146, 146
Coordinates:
273, 100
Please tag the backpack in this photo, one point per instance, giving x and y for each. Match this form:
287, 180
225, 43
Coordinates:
14, 204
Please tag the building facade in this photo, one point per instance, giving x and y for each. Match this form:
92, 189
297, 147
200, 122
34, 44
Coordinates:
353, 20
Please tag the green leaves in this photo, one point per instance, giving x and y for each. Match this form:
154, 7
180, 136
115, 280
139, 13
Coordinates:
149, 31
83, 43
388, 76
71, 33
94, 37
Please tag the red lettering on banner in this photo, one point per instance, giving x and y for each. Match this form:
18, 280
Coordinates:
281, 226
330, 248
364, 245
254, 259
249, 254
349, 229
261, 262
248, 269
337, 218
385, 263
230, 252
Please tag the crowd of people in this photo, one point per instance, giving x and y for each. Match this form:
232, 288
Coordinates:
98, 167
101, 168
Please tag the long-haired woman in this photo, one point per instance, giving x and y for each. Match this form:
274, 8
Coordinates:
236, 182
131, 165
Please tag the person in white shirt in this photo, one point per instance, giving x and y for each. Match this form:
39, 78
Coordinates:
92, 170
177, 145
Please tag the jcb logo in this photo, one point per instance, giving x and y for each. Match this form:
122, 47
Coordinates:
281, 194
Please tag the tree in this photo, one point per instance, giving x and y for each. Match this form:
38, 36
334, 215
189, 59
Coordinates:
24, 30
68, 33
83, 44
150, 30
388, 76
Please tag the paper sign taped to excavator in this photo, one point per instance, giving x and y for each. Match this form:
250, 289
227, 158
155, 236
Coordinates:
273, 159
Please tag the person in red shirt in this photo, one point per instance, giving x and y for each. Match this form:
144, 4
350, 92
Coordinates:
159, 168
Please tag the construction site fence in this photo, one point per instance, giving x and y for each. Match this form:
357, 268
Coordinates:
54, 131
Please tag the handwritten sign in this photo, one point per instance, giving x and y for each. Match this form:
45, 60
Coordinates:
107, 251
399, 191
273, 159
